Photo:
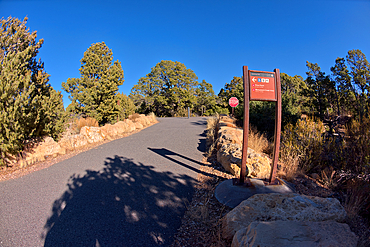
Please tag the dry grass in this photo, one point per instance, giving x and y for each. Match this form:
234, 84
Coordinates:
212, 129
81, 122
257, 141
356, 197
328, 177
289, 168
134, 117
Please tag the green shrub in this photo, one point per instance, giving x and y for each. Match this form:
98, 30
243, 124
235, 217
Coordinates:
29, 107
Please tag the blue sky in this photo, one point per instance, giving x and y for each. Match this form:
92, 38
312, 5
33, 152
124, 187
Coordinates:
213, 38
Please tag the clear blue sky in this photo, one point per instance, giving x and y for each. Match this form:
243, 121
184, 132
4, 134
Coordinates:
213, 38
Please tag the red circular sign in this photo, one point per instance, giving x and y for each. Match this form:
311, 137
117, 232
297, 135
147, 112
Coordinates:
233, 102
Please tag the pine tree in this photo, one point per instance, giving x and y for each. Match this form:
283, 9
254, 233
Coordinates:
94, 93
29, 106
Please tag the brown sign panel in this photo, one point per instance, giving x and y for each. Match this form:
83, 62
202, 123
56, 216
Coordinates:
262, 86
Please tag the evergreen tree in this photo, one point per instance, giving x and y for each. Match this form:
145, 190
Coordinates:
292, 98
94, 93
360, 72
206, 99
320, 91
167, 90
29, 106
347, 103
352, 77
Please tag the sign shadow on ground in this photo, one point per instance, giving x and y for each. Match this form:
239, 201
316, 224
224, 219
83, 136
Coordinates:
166, 153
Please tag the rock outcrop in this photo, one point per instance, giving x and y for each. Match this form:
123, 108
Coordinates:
295, 233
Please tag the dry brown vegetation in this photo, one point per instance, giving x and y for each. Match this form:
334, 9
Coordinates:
81, 122
134, 116
258, 141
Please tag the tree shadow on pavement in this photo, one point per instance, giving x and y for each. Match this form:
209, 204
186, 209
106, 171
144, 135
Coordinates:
124, 204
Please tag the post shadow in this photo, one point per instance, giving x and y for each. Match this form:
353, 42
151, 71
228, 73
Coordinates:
202, 144
166, 153
123, 204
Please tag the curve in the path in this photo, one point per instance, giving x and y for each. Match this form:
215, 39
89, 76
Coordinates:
128, 192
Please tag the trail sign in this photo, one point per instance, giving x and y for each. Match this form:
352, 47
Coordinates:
265, 86
233, 102
262, 86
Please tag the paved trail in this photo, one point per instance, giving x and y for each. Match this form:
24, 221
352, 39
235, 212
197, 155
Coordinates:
128, 192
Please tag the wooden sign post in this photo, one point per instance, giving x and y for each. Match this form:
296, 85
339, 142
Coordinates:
261, 86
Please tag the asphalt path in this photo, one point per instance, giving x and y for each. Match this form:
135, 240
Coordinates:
128, 192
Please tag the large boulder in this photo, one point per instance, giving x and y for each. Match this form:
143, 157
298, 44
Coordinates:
109, 131
71, 142
145, 121
130, 125
228, 135
93, 134
230, 157
47, 148
295, 233
138, 125
152, 118
121, 127
287, 207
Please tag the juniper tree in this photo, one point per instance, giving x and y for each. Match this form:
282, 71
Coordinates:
29, 106
94, 93
167, 90
206, 99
